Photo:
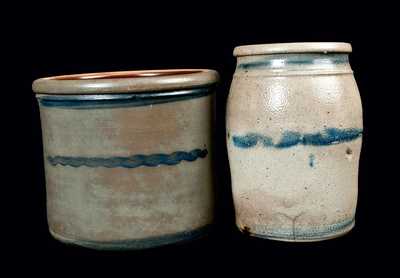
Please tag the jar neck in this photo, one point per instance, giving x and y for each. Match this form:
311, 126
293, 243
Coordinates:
294, 63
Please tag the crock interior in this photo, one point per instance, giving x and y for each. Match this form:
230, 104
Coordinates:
123, 74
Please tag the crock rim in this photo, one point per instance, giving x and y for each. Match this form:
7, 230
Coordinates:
132, 81
298, 47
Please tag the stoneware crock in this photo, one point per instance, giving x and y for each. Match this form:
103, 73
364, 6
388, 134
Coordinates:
128, 156
294, 127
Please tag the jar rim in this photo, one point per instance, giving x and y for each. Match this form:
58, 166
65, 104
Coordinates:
300, 47
135, 81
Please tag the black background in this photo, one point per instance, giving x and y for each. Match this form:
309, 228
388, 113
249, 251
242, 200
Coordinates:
68, 38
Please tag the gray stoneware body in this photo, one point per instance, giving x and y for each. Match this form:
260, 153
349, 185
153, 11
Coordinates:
294, 128
128, 166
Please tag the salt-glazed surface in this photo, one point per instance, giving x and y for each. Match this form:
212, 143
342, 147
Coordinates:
294, 131
128, 156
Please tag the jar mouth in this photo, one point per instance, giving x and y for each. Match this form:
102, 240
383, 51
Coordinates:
117, 82
285, 48
123, 74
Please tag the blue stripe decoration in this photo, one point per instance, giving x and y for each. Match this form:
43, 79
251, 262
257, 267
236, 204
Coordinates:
309, 233
137, 244
329, 136
134, 161
311, 162
250, 140
121, 100
295, 60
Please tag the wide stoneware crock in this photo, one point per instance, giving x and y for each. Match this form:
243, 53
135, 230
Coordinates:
128, 156
294, 127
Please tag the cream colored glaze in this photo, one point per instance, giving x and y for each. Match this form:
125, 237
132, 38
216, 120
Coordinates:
275, 190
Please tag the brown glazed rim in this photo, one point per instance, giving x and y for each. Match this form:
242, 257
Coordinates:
284, 48
139, 81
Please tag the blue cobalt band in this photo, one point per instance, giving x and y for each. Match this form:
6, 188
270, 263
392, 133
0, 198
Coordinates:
121, 100
133, 161
137, 244
316, 233
329, 136
281, 61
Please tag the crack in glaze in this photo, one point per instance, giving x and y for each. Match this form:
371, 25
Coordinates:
293, 220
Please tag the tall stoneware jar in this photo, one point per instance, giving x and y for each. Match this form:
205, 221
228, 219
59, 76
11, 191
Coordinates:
128, 156
294, 127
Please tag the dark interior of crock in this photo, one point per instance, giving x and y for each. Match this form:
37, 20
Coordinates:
124, 74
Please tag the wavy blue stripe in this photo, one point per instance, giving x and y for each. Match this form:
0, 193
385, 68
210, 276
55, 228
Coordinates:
133, 161
295, 60
329, 136
121, 100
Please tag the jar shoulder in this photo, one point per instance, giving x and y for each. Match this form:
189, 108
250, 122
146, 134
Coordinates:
301, 101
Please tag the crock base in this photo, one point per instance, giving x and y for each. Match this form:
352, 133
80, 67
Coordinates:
303, 237
136, 244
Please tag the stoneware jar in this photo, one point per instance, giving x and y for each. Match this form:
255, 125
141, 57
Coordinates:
294, 127
128, 156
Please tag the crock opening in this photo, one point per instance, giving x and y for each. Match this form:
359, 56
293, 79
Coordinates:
118, 82
123, 74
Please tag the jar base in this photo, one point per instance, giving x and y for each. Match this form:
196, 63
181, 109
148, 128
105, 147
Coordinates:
304, 237
136, 244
